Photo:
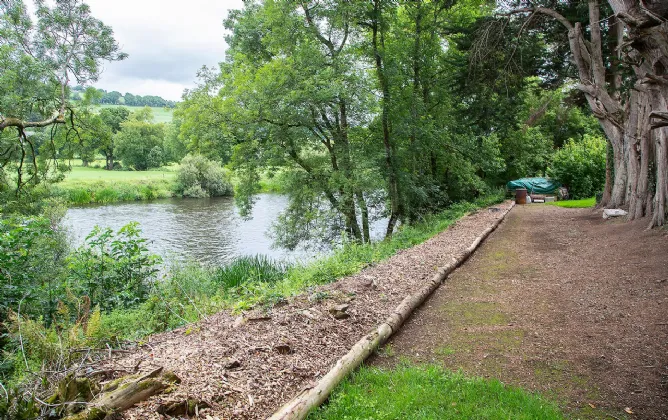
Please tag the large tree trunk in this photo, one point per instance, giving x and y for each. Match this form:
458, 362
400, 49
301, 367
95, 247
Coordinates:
637, 132
638, 165
607, 189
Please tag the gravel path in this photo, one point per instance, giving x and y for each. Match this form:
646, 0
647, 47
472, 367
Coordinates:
248, 366
558, 301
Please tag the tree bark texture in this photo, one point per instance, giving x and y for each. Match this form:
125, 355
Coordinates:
125, 393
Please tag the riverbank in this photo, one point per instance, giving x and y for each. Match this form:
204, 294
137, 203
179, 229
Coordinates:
269, 353
95, 185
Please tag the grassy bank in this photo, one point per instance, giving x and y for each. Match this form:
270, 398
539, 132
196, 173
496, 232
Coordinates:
84, 185
575, 204
430, 392
190, 291
93, 184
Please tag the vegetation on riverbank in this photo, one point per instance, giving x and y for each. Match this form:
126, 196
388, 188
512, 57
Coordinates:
89, 185
184, 294
92, 184
430, 392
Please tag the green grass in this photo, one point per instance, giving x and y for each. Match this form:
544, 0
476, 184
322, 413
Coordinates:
84, 185
430, 392
575, 204
160, 115
90, 174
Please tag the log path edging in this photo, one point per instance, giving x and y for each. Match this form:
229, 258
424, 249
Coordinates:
301, 405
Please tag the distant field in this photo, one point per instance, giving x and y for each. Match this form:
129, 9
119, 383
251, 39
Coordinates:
81, 174
96, 185
162, 115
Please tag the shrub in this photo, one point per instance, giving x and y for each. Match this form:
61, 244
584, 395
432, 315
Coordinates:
32, 250
155, 157
106, 195
79, 196
200, 177
580, 165
113, 270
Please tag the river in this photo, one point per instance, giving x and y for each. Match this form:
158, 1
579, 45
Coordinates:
209, 230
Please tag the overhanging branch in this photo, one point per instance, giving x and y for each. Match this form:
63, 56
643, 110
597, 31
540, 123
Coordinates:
57, 118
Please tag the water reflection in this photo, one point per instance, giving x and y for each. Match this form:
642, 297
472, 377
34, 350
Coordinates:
208, 230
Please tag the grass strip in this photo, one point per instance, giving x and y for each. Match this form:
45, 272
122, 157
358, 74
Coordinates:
430, 392
575, 204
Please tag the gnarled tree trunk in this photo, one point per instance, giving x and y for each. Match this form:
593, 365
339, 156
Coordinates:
635, 123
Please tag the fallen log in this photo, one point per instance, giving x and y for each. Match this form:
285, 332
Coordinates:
124, 393
300, 406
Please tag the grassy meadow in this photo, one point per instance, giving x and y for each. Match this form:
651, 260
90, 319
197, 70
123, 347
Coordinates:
93, 184
161, 115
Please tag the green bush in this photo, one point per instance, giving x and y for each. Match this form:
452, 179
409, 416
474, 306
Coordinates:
106, 195
113, 270
79, 196
199, 177
580, 166
139, 143
32, 252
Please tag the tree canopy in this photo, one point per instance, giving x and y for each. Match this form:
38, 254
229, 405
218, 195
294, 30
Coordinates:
40, 57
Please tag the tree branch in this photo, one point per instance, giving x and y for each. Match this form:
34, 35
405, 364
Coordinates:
57, 118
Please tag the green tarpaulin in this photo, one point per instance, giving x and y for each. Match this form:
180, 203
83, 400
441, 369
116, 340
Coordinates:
534, 185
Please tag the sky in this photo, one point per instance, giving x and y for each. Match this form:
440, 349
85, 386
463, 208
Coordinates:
167, 42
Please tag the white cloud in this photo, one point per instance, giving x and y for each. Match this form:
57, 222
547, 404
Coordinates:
168, 41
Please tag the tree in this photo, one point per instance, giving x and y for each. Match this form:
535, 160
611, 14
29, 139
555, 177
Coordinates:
113, 118
621, 72
38, 61
90, 131
305, 105
174, 148
139, 143
130, 99
204, 126
199, 177
580, 165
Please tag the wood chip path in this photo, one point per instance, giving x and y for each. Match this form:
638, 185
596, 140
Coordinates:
245, 367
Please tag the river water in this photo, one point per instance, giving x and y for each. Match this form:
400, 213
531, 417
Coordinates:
209, 230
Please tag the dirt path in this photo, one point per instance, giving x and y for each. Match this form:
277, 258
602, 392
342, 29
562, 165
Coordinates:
248, 366
558, 301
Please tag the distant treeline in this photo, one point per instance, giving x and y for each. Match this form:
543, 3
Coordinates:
116, 98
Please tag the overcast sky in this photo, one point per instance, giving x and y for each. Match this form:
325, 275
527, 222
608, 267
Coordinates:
167, 40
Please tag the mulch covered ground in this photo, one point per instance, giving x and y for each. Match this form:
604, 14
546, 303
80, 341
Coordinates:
561, 302
248, 366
